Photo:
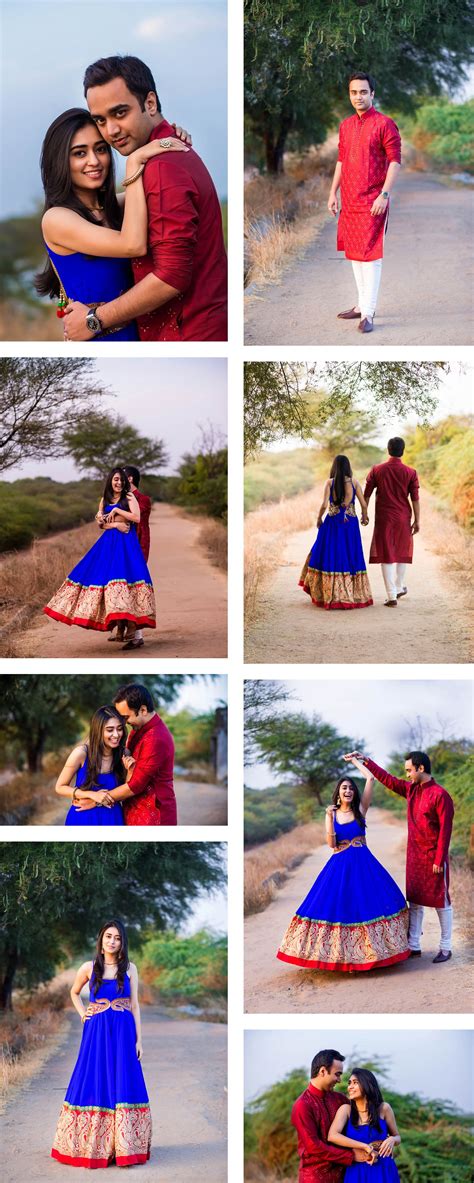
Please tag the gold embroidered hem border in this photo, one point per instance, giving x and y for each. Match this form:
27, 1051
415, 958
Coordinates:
329, 587
317, 940
96, 1133
98, 604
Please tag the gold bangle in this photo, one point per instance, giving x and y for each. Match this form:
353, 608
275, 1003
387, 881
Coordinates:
134, 177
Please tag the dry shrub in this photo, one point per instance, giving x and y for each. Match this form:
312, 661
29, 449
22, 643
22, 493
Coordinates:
265, 532
213, 537
42, 325
282, 216
29, 797
30, 1035
275, 859
448, 540
28, 579
461, 891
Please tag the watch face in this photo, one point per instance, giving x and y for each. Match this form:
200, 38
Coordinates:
93, 323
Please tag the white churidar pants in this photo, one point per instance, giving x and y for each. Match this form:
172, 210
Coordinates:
367, 277
393, 577
415, 926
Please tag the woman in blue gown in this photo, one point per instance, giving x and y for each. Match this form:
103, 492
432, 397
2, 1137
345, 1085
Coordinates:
112, 582
90, 234
335, 574
106, 1117
370, 1121
355, 916
100, 764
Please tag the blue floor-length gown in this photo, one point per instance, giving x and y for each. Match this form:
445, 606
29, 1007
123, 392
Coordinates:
354, 917
112, 582
92, 280
382, 1171
106, 1113
99, 815
335, 574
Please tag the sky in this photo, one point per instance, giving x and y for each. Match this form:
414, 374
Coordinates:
377, 711
455, 397
210, 910
162, 398
436, 1064
183, 41
202, 694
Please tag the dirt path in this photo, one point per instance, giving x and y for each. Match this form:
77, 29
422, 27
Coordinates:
198, 805
289, 628
185, 1071
191, 603
425, 295
413, 986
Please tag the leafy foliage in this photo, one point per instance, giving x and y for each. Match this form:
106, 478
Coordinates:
201, 481
436, 1144
192, 968
37, 396
443, 455
38, 506
269, 813
444, 131
304, 748
191, 733
100, 441
55, 895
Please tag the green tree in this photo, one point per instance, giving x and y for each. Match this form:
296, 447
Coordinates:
304, 748
201, 481
100, 441
37, 396
299, 57
260, 698
286, 398
55, 895
42, 712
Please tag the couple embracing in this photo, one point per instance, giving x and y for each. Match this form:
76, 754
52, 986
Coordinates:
340, 1138
115, 780
168, 226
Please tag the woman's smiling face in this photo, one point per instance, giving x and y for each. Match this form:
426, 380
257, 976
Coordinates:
111, 942
346, 792
353, 1089
112, 733
89, 159
117, 483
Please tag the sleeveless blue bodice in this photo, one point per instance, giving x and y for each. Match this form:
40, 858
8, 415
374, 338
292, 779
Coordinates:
99, 816
382, 1171
93, 280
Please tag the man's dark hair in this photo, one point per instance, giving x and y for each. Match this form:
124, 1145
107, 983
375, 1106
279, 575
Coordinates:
418, 758
136, 75
324, 1059
396, 446
134, 473
363, 78
135, 695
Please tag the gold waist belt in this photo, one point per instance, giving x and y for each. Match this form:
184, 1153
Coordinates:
97, 1008
346, 842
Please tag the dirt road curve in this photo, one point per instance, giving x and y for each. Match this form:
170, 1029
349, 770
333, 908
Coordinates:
413, 986
425, 295
191, 603
289, 628
182, 1058
198, 805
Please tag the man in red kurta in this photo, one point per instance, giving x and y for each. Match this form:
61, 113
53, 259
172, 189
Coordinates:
180, 291
396, 486
430, 812
312, 1115
148, 796
368, 163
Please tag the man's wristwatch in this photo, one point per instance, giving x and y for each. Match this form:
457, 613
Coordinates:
93, 323
386, 195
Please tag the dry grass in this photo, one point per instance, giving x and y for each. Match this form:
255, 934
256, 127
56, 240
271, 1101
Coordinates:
265, 531
448, 540
461, 892
267, 866
29, 578
213, 537
283, 214
29, 798
42, 325
30, 1034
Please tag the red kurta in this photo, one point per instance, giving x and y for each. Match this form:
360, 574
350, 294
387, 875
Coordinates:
312, 1115
430, 821
143, 528
185, 248
395, 482
154, 802
367, 145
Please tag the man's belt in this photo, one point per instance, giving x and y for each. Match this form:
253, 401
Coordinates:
97, 1008
347, 842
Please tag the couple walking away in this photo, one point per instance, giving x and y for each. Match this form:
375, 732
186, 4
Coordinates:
112, 780
344, 1139
106, 1116
167, 226
111, 585
355, 917
335, 574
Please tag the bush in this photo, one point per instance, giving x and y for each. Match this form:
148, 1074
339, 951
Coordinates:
443, 456
445, 131
192, 968
268, 813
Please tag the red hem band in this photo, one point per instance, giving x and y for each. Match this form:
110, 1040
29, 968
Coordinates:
343, 967
129, 1161
140, 621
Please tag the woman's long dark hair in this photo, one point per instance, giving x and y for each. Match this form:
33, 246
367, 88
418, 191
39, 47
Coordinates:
122, 960
373, 1096
96, 747
109, 495
355, 803
58, 188
340, 470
